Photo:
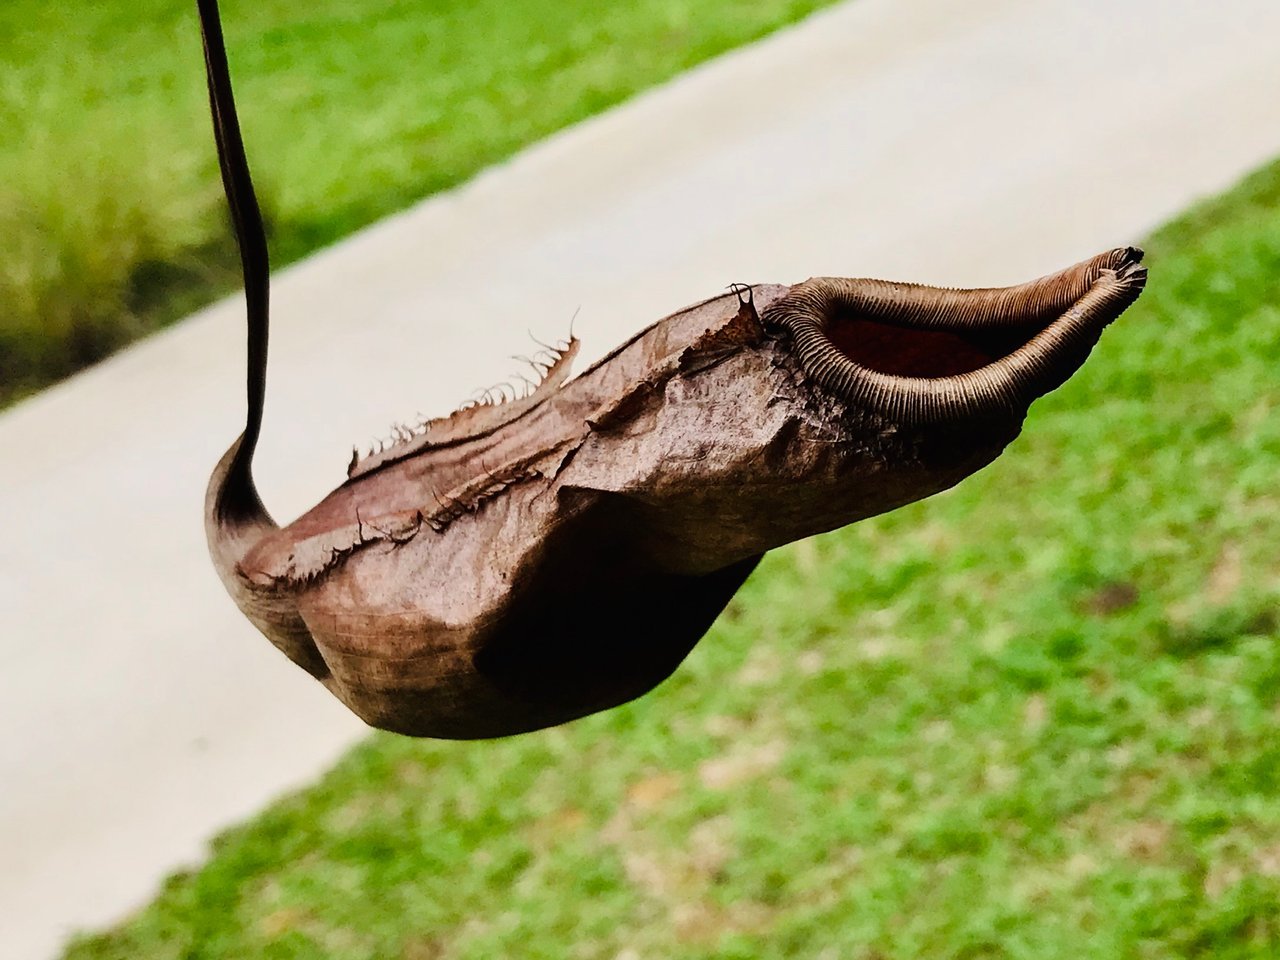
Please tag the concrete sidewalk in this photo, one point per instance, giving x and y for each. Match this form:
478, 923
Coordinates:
951, 141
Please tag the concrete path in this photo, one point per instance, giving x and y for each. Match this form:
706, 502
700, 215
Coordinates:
955, 141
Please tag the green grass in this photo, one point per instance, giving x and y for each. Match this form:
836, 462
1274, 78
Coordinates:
111, 219
1034, 718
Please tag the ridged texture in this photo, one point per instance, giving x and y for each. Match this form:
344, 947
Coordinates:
1063, 313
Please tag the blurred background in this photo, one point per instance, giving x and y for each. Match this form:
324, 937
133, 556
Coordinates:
1032, 717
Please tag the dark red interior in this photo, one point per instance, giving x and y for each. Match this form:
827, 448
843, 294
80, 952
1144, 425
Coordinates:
910, 352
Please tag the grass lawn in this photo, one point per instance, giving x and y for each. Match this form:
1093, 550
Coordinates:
111, 213
1033, 718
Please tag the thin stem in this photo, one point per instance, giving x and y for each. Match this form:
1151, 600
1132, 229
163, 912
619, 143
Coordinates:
250, 234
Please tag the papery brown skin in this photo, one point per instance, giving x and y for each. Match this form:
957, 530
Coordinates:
522, 564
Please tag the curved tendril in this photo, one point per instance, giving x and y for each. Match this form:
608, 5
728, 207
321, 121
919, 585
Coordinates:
250, 233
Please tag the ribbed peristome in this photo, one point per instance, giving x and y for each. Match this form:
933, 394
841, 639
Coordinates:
1063, 314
